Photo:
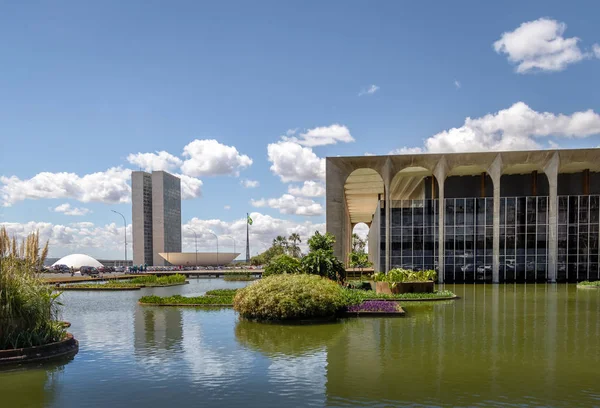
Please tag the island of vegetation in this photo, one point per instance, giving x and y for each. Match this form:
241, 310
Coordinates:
29, 326
589, 285
310, 288
132, 284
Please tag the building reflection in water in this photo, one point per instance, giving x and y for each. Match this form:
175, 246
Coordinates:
156, 329
498, 343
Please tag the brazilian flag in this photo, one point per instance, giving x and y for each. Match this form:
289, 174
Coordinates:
249, 220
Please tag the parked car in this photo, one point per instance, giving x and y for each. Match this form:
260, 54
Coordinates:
89, 270
61, 268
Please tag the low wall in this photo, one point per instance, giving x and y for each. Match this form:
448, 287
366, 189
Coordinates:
66, 348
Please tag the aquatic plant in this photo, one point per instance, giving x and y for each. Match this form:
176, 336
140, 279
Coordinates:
221, 292
183, 300
353, 297
28, 308
588, 283
289, 297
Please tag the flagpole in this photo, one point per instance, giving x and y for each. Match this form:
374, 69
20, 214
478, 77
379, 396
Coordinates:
247, 239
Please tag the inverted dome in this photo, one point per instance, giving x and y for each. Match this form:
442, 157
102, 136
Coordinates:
76, 261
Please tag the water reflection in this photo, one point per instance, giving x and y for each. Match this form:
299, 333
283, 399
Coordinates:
39, 383
533, 344
289, 340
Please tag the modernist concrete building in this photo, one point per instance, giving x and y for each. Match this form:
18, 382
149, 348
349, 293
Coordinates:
156, 215
523, 216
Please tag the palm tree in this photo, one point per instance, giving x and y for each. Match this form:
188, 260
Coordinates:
294, 248
280, 242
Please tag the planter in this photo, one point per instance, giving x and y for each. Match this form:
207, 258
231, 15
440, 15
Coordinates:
404, 287
62, 349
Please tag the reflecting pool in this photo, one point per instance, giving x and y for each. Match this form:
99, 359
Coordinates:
499, 345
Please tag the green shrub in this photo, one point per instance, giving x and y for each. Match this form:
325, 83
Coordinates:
405, 275
322, 262
153, 280
182, 300
588, 283
289, 297
221, 292
283, 264
238, 277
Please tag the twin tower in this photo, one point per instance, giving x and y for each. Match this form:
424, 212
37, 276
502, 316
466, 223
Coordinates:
156, 216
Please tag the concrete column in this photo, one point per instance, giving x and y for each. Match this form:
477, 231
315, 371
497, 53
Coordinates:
551, 170
387, 181
495, 172
440, 172
336, 214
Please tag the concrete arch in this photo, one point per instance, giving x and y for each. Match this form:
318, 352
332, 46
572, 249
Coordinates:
363, 190
409, 183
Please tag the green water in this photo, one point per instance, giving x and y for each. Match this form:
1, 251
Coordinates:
501, 345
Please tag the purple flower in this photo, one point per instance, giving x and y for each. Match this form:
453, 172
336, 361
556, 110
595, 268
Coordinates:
375, 306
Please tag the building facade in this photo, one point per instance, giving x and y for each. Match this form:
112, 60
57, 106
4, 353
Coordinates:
156, 215
529, 216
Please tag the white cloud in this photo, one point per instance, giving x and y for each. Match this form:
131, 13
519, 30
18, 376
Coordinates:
262, 231
97, 241
68, 210
407, 150
288, 204
516, 128
457, 84
211, 158
249, 183
308, 189
107, 241
227, 207
292, 162
539, 45
108, 186
155, 161
596, 50
369, 91
191, 187
321, 136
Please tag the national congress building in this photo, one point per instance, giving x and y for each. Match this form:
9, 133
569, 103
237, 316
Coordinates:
156, 216
523, 216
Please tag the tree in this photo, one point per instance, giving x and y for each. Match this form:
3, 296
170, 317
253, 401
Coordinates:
320, 259
358, 244
293, 247
281, 242
282, 264
319, 241
360, 260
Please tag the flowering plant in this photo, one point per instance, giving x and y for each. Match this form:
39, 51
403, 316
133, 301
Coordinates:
375, 306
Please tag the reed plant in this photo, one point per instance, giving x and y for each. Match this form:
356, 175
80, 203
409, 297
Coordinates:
28, 307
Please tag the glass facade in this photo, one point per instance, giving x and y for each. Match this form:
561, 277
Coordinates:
468, 238
523, 239
578, 235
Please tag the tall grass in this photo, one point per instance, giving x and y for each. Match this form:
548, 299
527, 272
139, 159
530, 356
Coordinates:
150, 280
28, 308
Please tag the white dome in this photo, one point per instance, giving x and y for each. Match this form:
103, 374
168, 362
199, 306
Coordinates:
76, 261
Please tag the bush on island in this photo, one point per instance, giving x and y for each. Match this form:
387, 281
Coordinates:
283, 264
289, 297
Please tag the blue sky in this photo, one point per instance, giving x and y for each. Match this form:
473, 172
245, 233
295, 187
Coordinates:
84, 85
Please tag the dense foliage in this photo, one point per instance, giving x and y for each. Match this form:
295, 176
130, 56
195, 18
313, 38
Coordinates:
153, 280
289, 297
590, 284
320, 259
353, 297
405, 275
222, 292
28, 308
283, 264
360, 260
182, 300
